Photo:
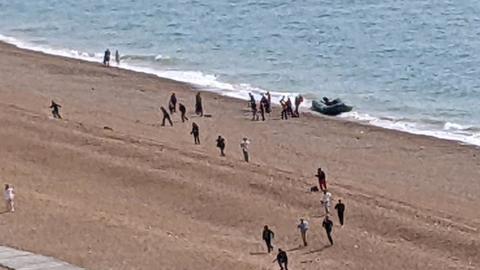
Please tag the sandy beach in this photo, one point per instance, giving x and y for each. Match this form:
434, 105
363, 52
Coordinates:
108, 188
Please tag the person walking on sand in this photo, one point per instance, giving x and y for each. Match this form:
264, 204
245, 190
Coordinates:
322, 179
267, 236
340, 207
9, 195
172, 104
282, 259
221, 145
328, 225
196, 133
183, 111
106, 58
244, 146
327, 201
117, 57
198, 104
55, 110
303, 227
166, 116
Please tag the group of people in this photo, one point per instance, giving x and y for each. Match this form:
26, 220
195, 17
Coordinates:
287, 107
303, 226
106, 58
265, 106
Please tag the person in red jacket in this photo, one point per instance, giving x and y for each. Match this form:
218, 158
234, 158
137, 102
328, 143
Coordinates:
322, 179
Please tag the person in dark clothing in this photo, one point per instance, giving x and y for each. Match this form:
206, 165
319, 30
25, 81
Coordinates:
328, 225
267, 236
172, 105
55, 110
322, 179
198, 104
340, 207
252, 99
289, 107
262, 110
268, 108
253, 106
221, 145
266, 105
298, 101
183, 111
196, 133
282, 259
254, 111
106, 58
166, 116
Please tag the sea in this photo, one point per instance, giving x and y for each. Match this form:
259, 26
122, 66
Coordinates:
410, 65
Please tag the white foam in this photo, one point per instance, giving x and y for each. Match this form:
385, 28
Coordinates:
451, 131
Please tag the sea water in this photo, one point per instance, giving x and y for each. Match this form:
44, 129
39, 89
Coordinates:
412, 65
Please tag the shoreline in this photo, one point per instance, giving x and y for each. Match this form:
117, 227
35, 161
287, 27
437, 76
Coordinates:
216, 88
108, 175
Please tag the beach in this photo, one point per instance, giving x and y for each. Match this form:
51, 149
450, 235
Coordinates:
108, 188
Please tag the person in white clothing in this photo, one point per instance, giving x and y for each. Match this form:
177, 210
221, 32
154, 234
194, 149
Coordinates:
327, 201
303, 227
9, 195
244, 146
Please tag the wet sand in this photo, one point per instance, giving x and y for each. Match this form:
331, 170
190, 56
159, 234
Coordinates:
108, 188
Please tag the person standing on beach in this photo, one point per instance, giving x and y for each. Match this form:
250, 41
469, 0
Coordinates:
196, 133
166, 116
267, 236
262, 110
282, 259
117, 57
106, 58
284, 108
340, 207
269, 100
303, 227
9, 195
172, 104
322, 179
198, 104
244, 146
266, 105
183, 111
55, 110
221, 145
328, 225
327, 201
289, 107
253, 106
298, 101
